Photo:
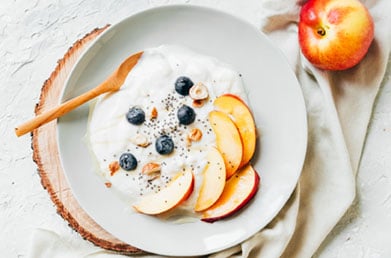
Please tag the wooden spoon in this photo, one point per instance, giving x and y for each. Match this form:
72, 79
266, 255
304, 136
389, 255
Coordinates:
112, 83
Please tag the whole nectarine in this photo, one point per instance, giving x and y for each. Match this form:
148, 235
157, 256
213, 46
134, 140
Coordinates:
335, 34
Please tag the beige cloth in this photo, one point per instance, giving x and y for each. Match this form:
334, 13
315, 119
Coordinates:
339, 107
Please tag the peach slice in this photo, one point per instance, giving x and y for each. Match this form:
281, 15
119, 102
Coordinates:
177, 191
238, 191
228, 141
241, 115
213, 181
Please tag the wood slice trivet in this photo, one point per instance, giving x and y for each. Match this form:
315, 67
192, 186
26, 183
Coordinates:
46, 156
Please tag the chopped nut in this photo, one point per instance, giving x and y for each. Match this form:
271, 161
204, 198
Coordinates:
113, 167
150, 168
188, 141
199, 91
198, 103
195, 135
153, 176
108, 184
140, 140
154, 113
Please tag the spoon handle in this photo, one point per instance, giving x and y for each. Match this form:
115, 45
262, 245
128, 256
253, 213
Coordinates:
112, 83
58, 111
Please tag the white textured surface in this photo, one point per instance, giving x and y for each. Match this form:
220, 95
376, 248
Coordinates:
35, 34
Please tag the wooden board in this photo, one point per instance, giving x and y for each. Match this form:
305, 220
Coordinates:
46, 156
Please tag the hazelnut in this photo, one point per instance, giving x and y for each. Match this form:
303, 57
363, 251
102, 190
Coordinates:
199, 92
150, 168
198, 103
140, 140
195, 135
188, 141
154, 113
113, 167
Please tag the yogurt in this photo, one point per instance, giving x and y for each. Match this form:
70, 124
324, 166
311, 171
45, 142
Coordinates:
150, 86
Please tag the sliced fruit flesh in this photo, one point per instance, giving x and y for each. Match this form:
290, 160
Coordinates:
238, 191
228, 141
213, 181
242, 117
169, 197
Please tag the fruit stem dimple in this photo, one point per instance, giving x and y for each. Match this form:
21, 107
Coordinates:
321, 31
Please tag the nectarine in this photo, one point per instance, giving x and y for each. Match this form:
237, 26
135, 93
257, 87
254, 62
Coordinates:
213, 180
238, 191
228, 140
241, 115
335, 34
177, 191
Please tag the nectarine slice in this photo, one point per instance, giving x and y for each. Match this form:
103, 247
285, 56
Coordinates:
177, 191
241, 115
228, 140
213, 180
238, 191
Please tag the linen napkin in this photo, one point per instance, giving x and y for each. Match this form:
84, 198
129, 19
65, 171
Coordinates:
339, 106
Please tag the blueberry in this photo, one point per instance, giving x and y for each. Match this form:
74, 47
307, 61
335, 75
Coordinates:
135, 116
183, 85
164, 145
127, 161
186, 115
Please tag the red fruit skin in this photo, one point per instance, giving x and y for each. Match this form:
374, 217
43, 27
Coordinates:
242, 204
348, 33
